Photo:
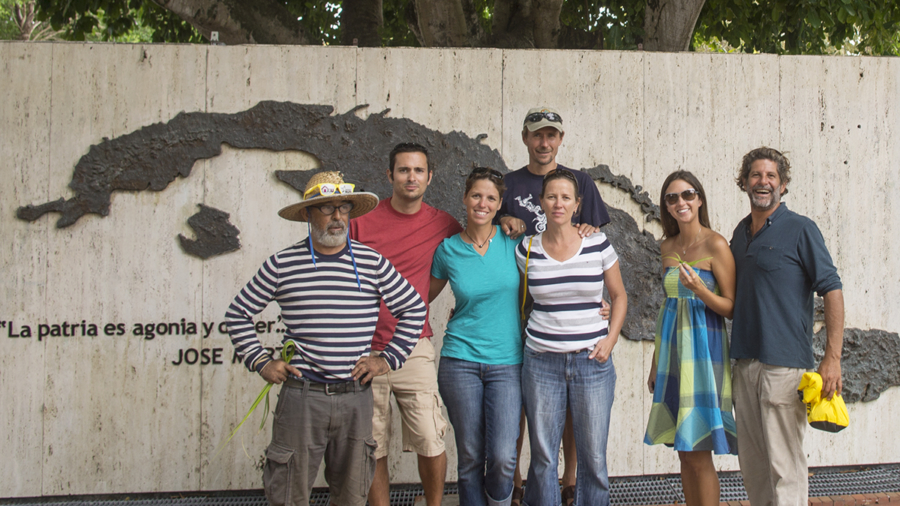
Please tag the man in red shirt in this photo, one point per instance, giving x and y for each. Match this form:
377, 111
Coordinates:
407, 231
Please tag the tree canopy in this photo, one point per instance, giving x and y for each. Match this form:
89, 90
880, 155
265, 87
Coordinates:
771, 26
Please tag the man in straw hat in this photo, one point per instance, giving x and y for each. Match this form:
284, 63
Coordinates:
329, 291
408, 231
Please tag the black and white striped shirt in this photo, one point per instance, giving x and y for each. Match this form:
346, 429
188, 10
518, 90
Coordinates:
327, 316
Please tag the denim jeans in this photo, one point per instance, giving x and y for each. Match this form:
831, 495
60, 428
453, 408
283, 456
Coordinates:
549, 381
484, 403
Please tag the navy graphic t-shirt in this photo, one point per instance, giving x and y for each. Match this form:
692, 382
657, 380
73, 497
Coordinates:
522, 200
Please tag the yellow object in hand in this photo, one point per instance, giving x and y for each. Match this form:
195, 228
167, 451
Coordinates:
829, 415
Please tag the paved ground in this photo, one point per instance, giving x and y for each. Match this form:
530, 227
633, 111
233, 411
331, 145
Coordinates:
849, 486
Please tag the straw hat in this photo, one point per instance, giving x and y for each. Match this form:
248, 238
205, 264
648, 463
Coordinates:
363, 202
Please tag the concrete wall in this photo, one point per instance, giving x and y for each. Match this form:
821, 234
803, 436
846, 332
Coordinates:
113, 414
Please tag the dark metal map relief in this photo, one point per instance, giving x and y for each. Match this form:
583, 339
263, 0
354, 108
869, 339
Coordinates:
154, 156
215, 235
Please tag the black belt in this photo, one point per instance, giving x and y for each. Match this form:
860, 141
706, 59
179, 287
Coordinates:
342, 387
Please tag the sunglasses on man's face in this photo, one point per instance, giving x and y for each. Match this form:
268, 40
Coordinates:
687, 195
537, 116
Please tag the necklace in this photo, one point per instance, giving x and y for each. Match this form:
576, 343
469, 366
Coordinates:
685, 248
476, 242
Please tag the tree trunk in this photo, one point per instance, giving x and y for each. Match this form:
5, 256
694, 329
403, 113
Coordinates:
545, 23
240, 22
441, 23
362, 20
669, 24
511, 25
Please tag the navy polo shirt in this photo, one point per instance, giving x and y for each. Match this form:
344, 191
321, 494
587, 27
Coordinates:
777, 271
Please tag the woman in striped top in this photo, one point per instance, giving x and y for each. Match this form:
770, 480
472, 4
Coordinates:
568, 345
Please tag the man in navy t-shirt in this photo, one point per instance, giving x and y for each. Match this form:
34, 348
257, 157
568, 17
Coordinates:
520, 212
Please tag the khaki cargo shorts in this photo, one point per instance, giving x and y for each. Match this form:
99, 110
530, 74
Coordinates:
415, 388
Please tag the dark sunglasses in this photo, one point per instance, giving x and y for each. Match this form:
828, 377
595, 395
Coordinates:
688, 195
537, 116
485, 171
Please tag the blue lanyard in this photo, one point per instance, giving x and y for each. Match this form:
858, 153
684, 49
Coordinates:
312, 251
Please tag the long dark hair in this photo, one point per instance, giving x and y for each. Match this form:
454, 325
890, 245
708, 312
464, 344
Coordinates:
670, 226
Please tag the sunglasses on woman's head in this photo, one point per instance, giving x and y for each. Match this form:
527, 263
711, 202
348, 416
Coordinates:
486, 171
688, 195
557, 173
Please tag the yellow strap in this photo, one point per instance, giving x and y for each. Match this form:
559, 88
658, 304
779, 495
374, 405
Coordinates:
525, 287
675, 256
287, 353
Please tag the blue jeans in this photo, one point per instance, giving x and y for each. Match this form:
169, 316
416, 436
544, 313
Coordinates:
549, 380
484, 403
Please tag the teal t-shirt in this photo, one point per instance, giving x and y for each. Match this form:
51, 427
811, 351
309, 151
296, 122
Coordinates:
485, 324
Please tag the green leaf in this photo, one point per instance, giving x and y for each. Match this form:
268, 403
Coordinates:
814, 19
287, 353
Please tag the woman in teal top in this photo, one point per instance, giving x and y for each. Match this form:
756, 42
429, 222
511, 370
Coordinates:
481, 359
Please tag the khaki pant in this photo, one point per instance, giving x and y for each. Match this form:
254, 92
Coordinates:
416, 390
310, 425
771, 423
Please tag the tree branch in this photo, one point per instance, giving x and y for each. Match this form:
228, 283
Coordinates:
24, 16
238, 22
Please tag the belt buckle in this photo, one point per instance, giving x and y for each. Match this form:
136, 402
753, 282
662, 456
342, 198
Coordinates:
328, 390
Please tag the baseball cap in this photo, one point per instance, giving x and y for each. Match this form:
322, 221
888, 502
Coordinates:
540, 117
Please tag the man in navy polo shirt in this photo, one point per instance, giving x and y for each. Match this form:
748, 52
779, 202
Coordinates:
780, 259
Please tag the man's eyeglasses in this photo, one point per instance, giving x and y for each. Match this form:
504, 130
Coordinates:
537, 116
329, 189
486, 171
688, 195
329, 209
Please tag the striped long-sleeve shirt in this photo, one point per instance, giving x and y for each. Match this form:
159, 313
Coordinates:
327, 316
